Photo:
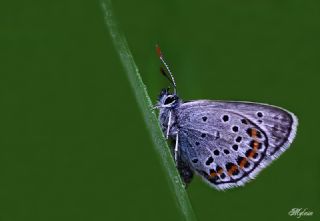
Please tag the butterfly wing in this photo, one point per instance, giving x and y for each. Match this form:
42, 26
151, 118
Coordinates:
229, 143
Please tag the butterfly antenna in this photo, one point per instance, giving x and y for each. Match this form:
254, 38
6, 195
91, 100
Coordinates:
164, 73
171, 78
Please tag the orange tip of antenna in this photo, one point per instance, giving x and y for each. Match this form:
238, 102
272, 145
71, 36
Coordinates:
158, 50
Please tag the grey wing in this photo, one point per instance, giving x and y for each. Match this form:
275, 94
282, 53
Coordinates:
228, 143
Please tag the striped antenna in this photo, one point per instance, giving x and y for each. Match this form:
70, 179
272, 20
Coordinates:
171, 78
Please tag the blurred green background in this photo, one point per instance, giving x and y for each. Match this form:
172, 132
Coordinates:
72, 139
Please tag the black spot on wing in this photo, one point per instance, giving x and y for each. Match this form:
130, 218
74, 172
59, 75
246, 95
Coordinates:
209, 161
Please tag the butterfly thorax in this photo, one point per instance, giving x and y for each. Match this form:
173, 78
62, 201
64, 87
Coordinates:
168, 104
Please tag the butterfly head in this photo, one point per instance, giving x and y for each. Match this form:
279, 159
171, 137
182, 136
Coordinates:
167, 99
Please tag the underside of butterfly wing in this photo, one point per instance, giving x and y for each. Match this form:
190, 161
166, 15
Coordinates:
228, 143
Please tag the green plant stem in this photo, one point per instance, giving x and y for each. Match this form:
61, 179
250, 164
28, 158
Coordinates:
149, 115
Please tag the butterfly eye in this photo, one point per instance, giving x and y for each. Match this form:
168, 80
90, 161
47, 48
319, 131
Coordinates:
169, 100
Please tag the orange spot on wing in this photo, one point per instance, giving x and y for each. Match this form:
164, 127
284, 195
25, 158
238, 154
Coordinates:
213, 174
220, 171
243, 162
255, 145
232, 169
251, 154
254, 133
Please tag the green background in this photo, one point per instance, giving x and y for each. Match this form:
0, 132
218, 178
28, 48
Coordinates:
73, 144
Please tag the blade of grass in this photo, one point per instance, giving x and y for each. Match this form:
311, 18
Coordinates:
146, 107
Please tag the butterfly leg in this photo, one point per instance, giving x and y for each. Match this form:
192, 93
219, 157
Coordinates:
169, 125
156, 106
176, 148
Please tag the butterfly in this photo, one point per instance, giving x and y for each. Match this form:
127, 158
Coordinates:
227, 143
